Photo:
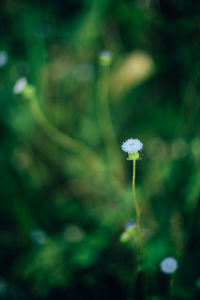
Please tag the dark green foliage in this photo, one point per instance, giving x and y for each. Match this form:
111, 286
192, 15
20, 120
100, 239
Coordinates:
63, 206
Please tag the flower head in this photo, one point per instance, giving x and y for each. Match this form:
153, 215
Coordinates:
3, 58
83, 72
105, 57
130, 224
129, 231
3, 287
169, 265
132, 146
19, 85
38, 236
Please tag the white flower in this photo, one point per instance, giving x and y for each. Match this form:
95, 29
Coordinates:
3, 287
3, 58
130, 224
105, 57
105, 54
19, 85
38, 236
132, 146
83, 72
169, 265
74, 234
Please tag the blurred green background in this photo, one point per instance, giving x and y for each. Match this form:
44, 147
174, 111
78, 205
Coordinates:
65, 183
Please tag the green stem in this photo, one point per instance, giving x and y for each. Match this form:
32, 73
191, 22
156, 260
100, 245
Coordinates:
140, 248
134, 195
137, 210
106, 124
171, 287
105, 120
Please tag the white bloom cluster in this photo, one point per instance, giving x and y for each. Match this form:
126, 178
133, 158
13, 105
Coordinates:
169, 265
132, 146
83, 72
19, 85
3, 58
105, 57
105, 53
3, 287
38, 236
130, 224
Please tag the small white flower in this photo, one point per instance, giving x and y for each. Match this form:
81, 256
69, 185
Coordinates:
132, 146
38, 236
105, 54
169, 265
130, 224
3, 58
20, 85
105, 57
73, 233
83, 72
3, 287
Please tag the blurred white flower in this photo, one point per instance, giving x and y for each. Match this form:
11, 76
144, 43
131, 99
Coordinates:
20, 85
38, 236
83, 72
3, 58
169, 265
3, 286
130, 224
105, 57
73, 233
132, 145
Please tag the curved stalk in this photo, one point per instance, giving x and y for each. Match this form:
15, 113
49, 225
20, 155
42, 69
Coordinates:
55, 134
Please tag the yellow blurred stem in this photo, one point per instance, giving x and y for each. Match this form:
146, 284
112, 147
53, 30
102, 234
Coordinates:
106, 124
60, 138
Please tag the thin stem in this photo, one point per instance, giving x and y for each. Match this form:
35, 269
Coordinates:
58, 136
139, 232
171, 287
137, 210
106, 124
134, 195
